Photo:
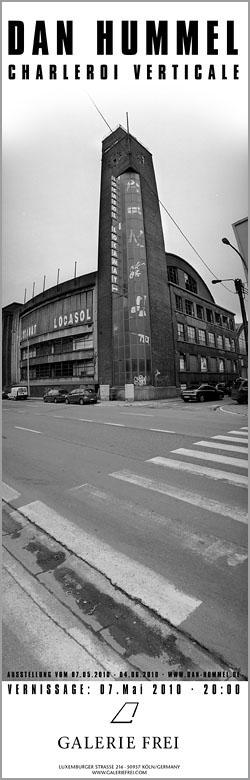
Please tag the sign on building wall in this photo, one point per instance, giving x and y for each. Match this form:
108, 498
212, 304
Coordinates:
72, 311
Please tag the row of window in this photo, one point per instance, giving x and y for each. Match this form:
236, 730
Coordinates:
55, 370
189, 281
204, 364
196, 310
59, 347
200, 336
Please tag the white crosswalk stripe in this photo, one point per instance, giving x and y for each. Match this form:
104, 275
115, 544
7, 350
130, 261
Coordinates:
243, 433
203, 471
135, 579
236, 439
189, 497
221, 446
8, 493
211, 456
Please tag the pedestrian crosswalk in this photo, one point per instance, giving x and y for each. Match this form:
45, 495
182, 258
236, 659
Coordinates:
180, 599
217, 442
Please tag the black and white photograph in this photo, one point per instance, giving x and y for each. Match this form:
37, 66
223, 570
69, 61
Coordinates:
124, 389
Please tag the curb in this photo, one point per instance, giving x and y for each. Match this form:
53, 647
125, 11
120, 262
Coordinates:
112, 617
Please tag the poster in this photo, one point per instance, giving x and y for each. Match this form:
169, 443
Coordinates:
124, 532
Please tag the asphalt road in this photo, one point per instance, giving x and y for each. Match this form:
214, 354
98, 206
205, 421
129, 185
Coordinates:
163, 489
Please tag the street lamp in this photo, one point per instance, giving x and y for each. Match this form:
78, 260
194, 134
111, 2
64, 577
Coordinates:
227, 242
239, 287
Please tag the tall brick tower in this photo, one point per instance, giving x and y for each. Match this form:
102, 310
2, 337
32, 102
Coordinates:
135, 338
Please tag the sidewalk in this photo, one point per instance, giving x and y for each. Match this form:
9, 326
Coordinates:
79, 587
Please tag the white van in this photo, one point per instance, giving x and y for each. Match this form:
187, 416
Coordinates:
18, 393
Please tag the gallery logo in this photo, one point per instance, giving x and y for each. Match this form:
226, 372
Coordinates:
127, 713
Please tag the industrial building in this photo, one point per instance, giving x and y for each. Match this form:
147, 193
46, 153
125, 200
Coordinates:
142, 326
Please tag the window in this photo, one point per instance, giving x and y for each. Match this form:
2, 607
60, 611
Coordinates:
178, 303
211, 339
189, 306
190, 283
200, 312
234, 367
182, 363
84, 343
224, 321
173, 275
203, 364
201, 336
213, 364
227, 343
231, 323
193, 363
180, 329
209, 315
232, 345
221, 366
217, 318
219, 342
191, 334
242, 343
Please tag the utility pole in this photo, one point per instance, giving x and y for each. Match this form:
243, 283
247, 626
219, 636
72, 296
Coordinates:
239, 287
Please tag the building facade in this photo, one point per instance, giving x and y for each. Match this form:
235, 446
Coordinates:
58, 336
135, 342
144, 325
11, 344
205, 336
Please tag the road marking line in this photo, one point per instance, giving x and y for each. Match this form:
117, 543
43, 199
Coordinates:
242, 463
8, 493
160, 430
31, 430
193, 468
244, 428
138, 414
117, 425
197, 544
221, 446
243, 433
182, 495
77, 487
231, 438
135, 579
100, 422
227, 412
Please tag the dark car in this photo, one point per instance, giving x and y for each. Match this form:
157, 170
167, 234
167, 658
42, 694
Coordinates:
82, 396
202, 393
5, 393
240, 391
55, 396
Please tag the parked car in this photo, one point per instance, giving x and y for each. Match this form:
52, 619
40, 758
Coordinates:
202, 393
18, 393
5, 393
55, 395
82, 396
224, 387
239, 391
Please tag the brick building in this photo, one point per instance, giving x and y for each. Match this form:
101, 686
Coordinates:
58, 336
142, 326
206, 344
135, 340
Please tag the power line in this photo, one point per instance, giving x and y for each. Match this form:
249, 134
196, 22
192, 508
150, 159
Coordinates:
168, 212
193, 247
99, 112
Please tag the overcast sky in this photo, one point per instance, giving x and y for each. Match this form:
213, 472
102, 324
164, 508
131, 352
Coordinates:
195, 130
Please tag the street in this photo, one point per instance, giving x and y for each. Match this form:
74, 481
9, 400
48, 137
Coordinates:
152, 498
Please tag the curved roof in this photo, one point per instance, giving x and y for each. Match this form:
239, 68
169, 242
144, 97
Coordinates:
179, 262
